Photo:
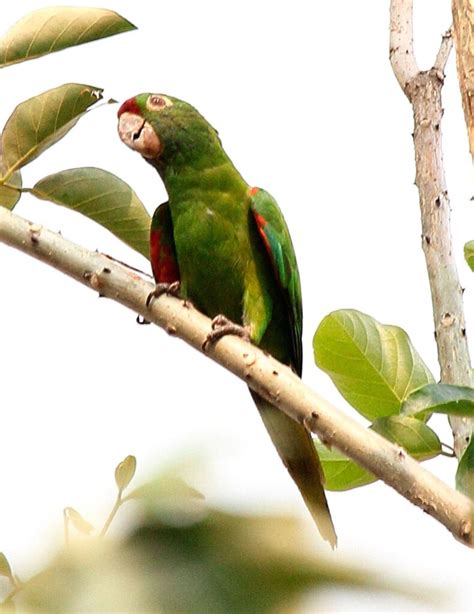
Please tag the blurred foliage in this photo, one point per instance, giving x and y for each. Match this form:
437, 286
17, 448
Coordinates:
5, 569
72, 516
179, 555
124, 472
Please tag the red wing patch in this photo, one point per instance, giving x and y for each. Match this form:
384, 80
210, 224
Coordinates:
129, 106
261, 223
163, 262
253, 191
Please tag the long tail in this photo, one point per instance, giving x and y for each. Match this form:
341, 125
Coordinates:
297, 451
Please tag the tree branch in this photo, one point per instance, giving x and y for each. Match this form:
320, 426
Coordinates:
402, 56
443, 52
262, 373
423, 90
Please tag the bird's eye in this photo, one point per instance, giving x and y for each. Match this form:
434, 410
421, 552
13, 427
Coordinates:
157, 102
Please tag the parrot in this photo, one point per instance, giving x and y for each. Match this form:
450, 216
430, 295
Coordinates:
226, 246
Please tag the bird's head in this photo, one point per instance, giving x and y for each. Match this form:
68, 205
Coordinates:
164, 129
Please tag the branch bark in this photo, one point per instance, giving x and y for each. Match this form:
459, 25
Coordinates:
262, 373
402, 55
423, 90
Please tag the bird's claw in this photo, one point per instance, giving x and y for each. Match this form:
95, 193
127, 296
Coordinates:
171, 289
222, 326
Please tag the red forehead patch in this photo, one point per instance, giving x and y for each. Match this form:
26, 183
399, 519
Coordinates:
129, 106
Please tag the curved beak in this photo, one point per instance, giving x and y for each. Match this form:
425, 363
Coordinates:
138, 134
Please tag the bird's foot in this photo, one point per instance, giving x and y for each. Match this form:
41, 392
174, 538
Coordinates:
222, 326
171, 289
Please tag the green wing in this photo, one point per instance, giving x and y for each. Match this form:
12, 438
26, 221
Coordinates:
275, 236
292, 441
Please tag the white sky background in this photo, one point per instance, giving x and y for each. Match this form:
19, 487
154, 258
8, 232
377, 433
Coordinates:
307, 107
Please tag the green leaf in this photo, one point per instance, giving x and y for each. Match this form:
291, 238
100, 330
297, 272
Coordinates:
9, 195
78, 521
41, 121
125, 471
374, 366
342, 473
418, 439
5, 569
465, 472
442, 399
469, 254
52, 29
164, 487
102, 197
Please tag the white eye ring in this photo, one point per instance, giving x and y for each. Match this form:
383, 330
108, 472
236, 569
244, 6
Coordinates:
157, 102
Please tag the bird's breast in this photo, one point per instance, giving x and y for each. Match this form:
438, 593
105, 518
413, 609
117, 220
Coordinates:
212, 247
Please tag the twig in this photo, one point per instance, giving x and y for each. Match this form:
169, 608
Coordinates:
443, 52
111, 516
262, 373
423, 89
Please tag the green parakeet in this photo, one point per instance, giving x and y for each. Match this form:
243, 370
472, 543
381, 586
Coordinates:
229, 247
